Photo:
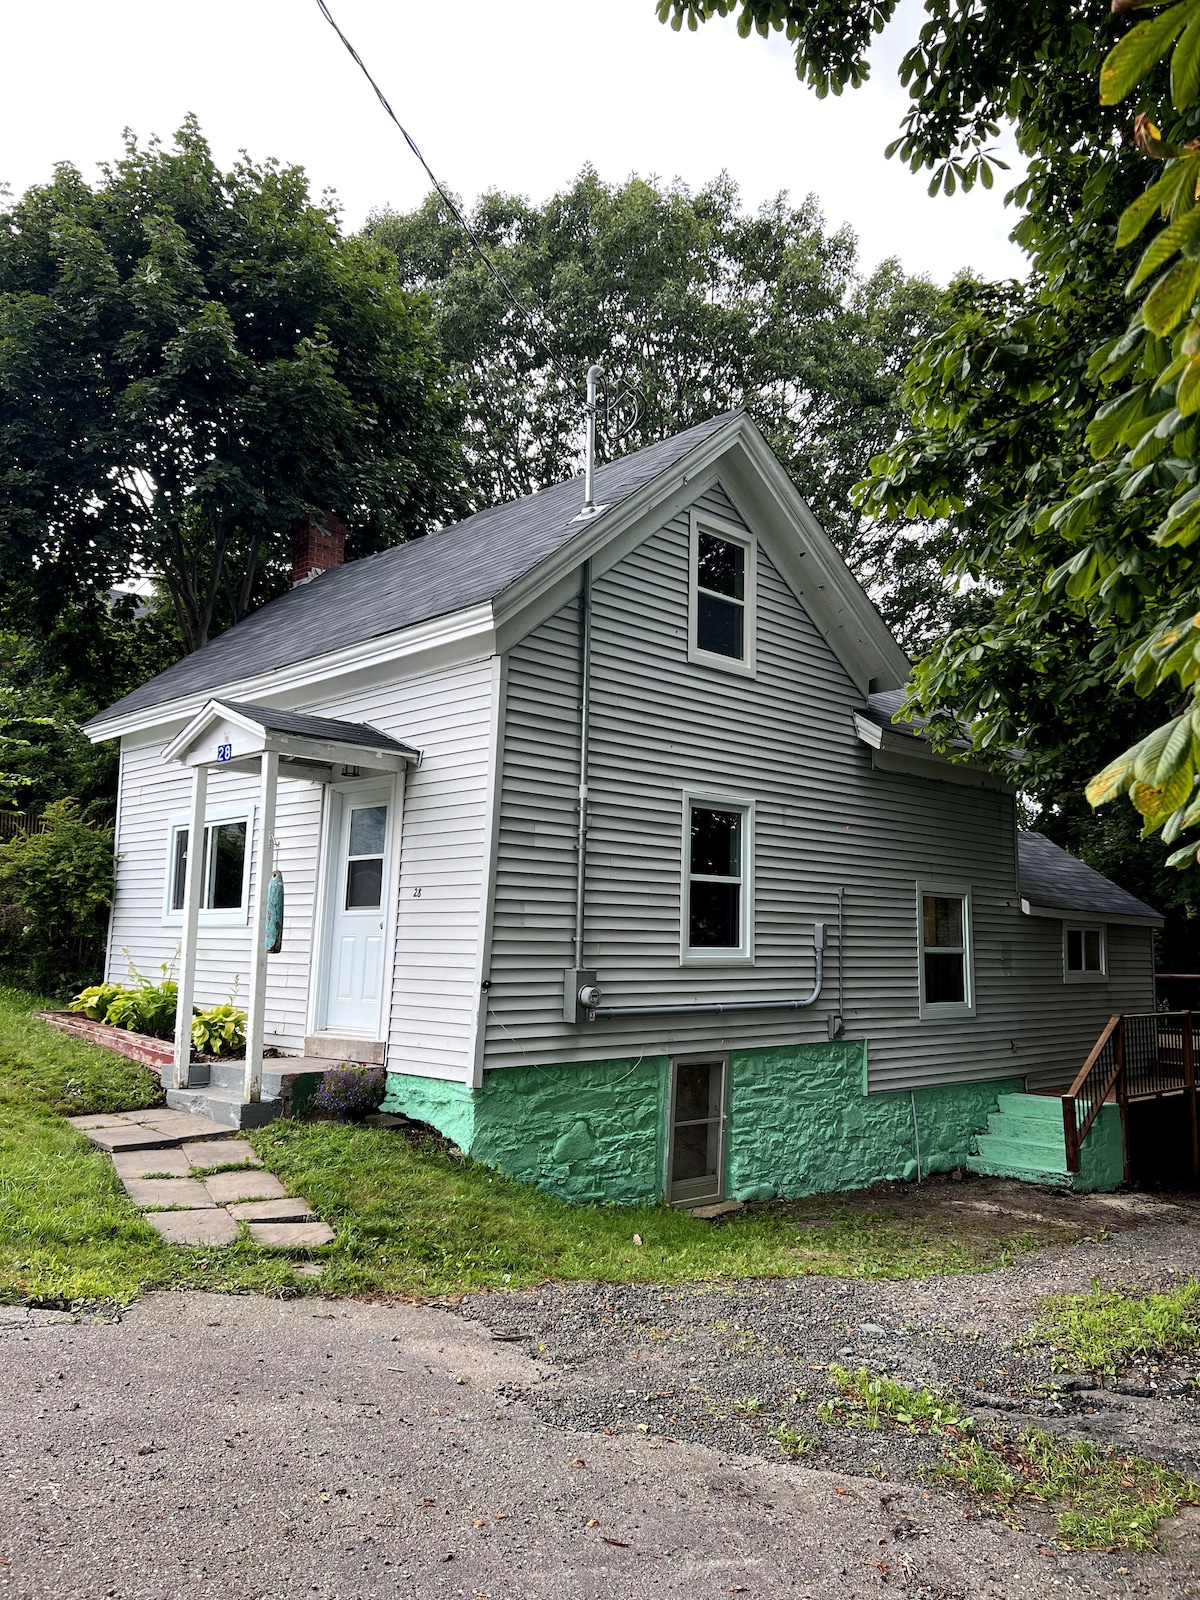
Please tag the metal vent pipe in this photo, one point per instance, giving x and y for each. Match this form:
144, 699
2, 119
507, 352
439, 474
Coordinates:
719, 1007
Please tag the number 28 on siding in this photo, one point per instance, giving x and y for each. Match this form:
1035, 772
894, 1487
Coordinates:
224, 752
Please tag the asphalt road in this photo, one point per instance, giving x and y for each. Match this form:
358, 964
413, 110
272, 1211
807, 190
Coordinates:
215, 1446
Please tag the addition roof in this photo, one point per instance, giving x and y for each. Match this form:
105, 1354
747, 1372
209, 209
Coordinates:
464, 565
1054, 880
1051, 878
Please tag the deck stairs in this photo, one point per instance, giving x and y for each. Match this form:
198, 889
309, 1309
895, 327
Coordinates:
1024, 1139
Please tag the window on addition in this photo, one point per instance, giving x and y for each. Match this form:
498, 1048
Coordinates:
1084, 954
722, 596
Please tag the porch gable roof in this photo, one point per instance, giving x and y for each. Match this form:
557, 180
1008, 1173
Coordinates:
227, 732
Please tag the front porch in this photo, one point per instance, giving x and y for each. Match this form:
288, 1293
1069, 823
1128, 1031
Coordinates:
363, 769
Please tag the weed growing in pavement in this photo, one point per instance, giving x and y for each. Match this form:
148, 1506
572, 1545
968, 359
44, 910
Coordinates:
868, 1400
1102, 1500
1107, 1329
749, 1406
791, 1442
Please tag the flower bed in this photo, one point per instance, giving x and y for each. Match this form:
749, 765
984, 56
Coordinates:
140, 1047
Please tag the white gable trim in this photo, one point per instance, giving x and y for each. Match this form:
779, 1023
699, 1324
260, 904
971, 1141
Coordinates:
765, 498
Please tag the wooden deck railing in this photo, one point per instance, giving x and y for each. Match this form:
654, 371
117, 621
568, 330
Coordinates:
1138, 1057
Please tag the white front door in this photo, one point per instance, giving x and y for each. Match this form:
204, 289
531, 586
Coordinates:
355, 958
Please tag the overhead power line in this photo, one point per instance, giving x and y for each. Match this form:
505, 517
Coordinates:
527, 316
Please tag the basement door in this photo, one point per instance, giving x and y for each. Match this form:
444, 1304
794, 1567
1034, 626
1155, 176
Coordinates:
354, 963
696, 1146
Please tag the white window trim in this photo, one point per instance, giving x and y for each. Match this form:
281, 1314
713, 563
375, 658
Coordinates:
237, 917
947, 1011
743, 956
1086, 977
701, 522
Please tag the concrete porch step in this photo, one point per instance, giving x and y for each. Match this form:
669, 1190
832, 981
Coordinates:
1007, 1168
339, 1048
1042, 1110
223, 1106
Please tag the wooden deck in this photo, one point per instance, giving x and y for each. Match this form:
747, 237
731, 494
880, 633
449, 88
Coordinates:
1139, 1058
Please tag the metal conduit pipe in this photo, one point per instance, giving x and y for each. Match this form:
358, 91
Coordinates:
585, 704
718, 1007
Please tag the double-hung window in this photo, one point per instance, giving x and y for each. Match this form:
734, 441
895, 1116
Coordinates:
1083, 954
224, 873
944, 915
717, 879
722, 592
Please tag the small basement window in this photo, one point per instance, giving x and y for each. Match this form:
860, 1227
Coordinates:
945, 916
722, 596
718, 880
225, 871
1083, 954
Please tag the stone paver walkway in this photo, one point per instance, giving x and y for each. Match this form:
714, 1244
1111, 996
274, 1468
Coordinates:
198, 1184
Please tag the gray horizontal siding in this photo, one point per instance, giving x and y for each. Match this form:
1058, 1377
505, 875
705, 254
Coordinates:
824, 818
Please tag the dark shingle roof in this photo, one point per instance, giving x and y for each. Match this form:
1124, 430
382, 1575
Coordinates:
883, 705
465, 565
328, 728
1053, 878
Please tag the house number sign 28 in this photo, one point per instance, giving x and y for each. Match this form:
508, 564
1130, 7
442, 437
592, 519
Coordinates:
224, 752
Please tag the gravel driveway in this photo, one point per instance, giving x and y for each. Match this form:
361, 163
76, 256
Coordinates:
221, 1446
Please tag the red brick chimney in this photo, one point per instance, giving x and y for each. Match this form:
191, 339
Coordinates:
318, 543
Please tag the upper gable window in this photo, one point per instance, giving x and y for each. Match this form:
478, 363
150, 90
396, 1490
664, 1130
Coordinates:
722, 595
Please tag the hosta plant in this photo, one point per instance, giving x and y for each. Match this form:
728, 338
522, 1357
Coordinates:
219, 1031
95, 1000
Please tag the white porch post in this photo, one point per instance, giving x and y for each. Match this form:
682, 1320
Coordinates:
193, 882
256, 1004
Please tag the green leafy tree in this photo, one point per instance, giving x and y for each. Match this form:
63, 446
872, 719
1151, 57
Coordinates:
999, 402
55, 890
700, 306
190, 361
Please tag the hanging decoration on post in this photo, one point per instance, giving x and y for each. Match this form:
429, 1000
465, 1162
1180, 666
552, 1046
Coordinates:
273, 931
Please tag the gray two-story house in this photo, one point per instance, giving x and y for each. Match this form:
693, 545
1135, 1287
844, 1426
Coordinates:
593, 827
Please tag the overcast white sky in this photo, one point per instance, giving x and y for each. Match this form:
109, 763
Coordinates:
516, 96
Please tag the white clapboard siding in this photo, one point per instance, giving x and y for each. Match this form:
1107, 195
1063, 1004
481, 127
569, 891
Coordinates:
444, 843
152, 793
446, 715
824, 819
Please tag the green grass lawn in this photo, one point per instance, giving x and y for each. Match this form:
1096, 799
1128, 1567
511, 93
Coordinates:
412, 1219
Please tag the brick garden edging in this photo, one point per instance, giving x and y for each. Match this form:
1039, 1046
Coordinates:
140, 1047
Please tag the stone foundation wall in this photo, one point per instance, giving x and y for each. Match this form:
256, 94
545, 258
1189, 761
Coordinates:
799, 1123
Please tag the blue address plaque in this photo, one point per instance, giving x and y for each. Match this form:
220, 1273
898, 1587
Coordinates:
224, 752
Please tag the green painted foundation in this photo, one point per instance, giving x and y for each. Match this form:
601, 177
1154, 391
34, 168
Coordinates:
799, 1123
